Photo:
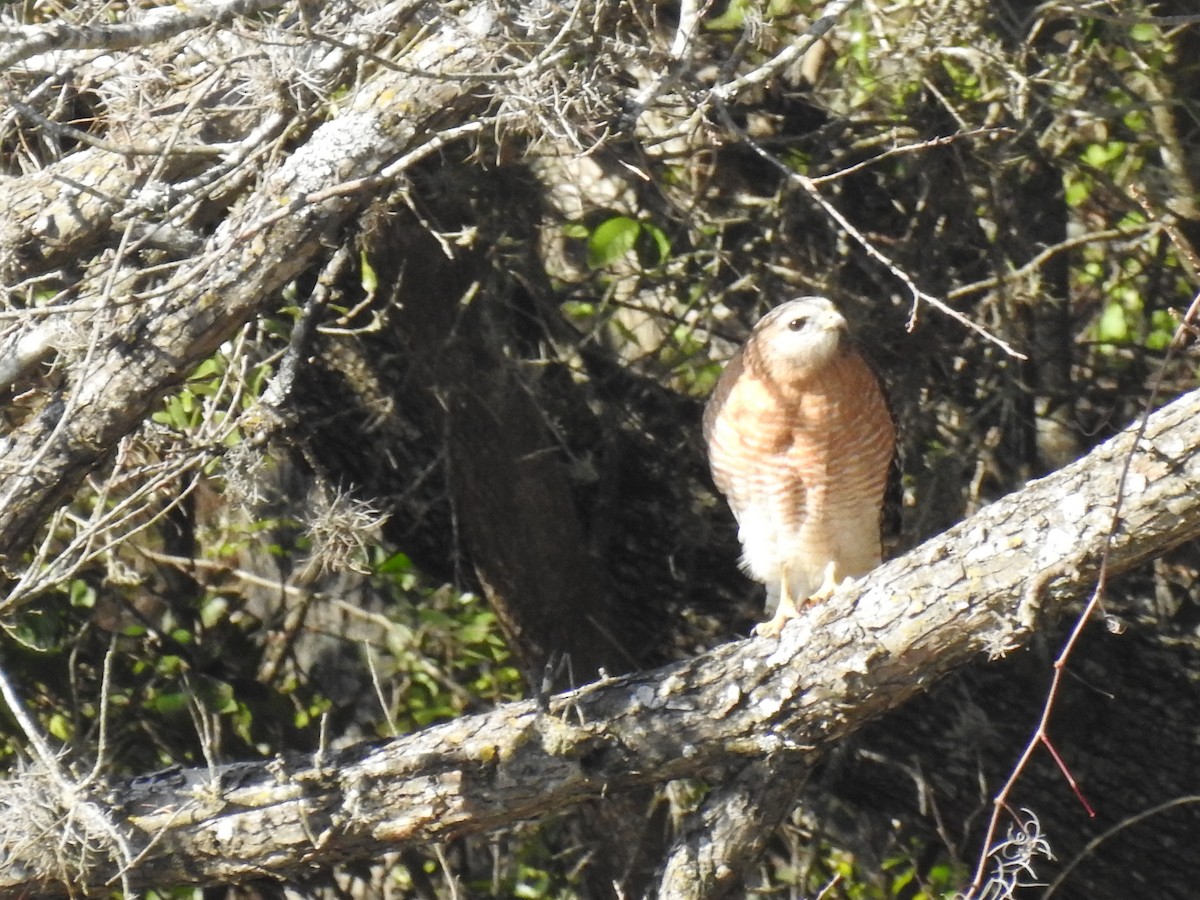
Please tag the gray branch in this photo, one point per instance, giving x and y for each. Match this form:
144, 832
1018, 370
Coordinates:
158, 25
274, 235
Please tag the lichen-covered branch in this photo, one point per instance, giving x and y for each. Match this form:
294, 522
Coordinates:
138, 350
983, 587
156, 25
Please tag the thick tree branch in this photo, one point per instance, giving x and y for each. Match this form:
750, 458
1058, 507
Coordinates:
985, 586
727, 834
157, 25
145, 348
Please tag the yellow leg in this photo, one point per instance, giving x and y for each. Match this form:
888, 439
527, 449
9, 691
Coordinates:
829, 583
784, 611
787, 608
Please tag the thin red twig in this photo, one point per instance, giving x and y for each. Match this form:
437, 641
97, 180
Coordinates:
1040, 734
1062, 767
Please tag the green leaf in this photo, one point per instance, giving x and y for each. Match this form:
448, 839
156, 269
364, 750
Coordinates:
1100, 155
578, 309
611, 240
60, 727
1162, 330
732, 19
82, 594
218, 695
171, 415
206, 369
1113, 327
1078, 190
396, 564
369, 280
169, 703
653, 247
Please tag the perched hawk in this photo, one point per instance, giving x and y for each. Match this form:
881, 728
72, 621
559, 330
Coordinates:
800, 441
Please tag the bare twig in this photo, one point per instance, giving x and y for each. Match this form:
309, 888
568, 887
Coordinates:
1040, 735
1128, 822
942, 141
26, 349
1040, 259
690, 13
71, 796
155, 26
794, 51
1092, 11
69, 132
918, 295
379, 180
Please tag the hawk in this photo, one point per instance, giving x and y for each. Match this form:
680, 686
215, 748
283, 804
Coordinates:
800, 441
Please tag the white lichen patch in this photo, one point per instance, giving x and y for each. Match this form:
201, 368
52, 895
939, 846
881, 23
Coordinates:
877, 609
672, 684
730, 697
799, 633
1135, 483
1172, 445
681, 704
225, 829
340, 149
858, 664
1057, 544
980, 546
766, 706
645, 697
1073, 507
785, 651
789, 681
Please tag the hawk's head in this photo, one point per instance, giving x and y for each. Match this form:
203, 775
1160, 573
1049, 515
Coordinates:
795, 340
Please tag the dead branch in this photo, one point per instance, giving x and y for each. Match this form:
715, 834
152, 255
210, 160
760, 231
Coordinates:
243, 265
985, 586
157, 25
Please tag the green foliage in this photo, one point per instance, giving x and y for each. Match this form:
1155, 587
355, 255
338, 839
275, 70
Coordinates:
537, 868
200, 660
193, 666
964, 79
692, 369
861, 84
442, 653
369, 279
613, 239
1121, 286
836, 874
211, 394
733, 17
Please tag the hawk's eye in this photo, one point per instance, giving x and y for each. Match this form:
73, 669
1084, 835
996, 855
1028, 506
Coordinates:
798, 323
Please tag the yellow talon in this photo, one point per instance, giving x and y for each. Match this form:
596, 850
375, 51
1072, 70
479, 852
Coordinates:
829, 583
787, 608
